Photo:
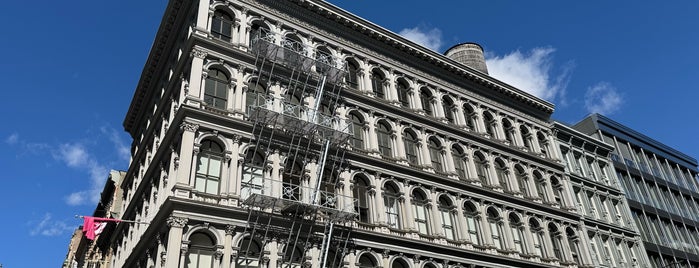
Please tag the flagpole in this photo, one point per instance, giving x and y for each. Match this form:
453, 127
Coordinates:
126, 221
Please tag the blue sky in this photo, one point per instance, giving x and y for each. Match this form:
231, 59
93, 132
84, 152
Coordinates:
69, 70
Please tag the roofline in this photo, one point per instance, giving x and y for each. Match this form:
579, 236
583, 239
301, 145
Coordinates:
560, 126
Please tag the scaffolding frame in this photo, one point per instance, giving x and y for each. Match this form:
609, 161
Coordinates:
305, 134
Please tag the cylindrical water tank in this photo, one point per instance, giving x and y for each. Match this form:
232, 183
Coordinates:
469, 54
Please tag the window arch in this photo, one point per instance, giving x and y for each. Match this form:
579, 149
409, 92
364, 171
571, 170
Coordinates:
557, 190
420, 211
399, 263
411, 144
509, 131
573, 244
526, 137
537, 237
294, 49
209, 167
361, 194
377, 80
392, 205
253, 171
543, 144
426, 100
357, 130
517, 228
403, 93
352, 75
324, 60
448, 106
222, 26
539, 185
481, 167
556, 241
201, 251
249, 253
436, 154
501, 171
489, 122
470, 116
216, 88
256, 94
460, 162
495, 224
472, 221
261, 38
445, 207
366, 261
522, 180
383, 133
293, 256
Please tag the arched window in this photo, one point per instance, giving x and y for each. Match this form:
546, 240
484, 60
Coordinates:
501, 171
426, 100
291, 186
352, 76
256, 94
420, 211
429, 265
522, 180
574, 245
209, 165
293, 256
201, 251
261, 38
445, 207
509, 131
481, 168
383, 133
411, 145
516, 228
366, 261
333, 259
448, 106
403, 88
557, 191
377, 87
253, 180
361, 194
537, 237
294, 50
216, 89
470, 115
495, 223
539, 185
543, 144
436, 154
472, 222
222, 26
556, 241
391, 203
489, 122
460, 162
399, 263
357, 130
526, 137
248, 253
292, 103
324, 60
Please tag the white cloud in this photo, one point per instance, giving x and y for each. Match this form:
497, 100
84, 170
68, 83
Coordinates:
119, 145
429, 38
47, 226
603, 98
531, 72
76, 156
12, 139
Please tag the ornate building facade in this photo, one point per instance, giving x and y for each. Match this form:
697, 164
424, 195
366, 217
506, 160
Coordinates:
661, 186
292, 133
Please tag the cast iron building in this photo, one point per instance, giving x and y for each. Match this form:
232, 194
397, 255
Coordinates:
292, 133
611, 238
662, 190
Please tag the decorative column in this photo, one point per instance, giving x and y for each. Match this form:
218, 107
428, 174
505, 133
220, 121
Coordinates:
437, 223
201, 28
182, 186
228, 246
174, 241
196, 77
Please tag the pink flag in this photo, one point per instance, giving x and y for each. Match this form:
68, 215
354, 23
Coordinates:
93, 226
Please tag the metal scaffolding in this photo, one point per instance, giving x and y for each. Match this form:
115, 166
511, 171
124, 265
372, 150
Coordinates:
296, 209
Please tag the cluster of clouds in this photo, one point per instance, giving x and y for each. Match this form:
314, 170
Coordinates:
74, 155
532, 71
